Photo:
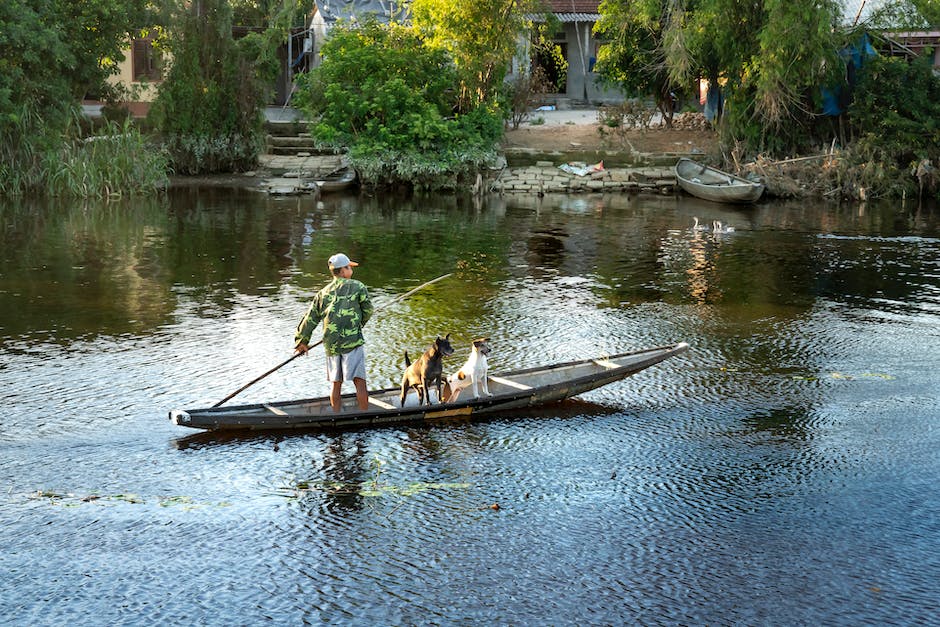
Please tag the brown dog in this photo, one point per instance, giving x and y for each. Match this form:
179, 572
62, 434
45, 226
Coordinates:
427, 369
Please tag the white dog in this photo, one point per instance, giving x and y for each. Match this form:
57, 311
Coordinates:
473, 373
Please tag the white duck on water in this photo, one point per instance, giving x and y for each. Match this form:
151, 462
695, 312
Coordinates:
718, 227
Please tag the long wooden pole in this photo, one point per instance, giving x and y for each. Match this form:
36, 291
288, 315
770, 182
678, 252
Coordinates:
296, 355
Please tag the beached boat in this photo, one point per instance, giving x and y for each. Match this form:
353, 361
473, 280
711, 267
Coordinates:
338, 180
708, 183
510, 391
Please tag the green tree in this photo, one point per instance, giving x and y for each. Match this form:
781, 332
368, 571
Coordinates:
481, 38
53, 52
389, 99
548, 57
634, 56
929, 10
209, 107
277, 14
769, 54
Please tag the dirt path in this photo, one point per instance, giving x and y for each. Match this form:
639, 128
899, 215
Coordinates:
579, 130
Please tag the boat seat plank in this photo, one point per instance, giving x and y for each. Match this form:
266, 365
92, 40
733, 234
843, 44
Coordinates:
382, 404
605, 363
508, 383
275, 410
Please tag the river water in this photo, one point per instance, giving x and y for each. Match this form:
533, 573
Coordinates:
784, 470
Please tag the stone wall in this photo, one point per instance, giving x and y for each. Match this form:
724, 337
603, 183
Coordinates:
546, 177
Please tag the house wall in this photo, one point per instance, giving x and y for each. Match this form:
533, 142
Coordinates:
142, 92
583, 84
318, 28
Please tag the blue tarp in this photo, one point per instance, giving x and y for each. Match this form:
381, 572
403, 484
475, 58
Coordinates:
835, 100
714, 100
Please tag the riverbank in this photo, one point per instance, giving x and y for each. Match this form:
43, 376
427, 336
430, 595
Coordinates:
568, 151
560, 151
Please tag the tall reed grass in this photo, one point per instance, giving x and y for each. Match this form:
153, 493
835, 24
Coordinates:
116, 160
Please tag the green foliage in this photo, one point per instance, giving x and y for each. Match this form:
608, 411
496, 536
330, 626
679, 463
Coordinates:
376, 79
479, 36
209, 108
905, 15
389, 100
796, 47
32, 57
638, 35
897, 105
896, 113
549, 59
114, 161
267, 13
633, 32
929, 10
54, 51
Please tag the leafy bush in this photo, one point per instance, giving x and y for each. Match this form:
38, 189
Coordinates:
895, 115
897, 109
389, 100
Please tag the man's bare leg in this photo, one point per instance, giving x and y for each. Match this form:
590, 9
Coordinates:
362, 394
336, 401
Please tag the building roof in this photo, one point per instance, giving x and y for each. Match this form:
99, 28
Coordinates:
574, 10
578, 17
574, 6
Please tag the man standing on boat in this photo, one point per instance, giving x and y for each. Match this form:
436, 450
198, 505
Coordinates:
344, 307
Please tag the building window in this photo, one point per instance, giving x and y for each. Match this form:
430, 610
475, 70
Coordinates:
145, 60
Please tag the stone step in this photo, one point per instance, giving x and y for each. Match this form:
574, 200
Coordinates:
282, 129
297, 151
302, 140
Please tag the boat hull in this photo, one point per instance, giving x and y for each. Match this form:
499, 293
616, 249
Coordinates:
511, 391
712, 184
338, 182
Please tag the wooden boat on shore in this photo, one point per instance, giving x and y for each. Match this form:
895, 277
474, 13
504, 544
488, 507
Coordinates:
708, 183
515, 390
337, 181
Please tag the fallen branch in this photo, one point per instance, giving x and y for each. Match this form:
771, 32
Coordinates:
794, 160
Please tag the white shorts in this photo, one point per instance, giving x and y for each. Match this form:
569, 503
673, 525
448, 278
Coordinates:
346, 367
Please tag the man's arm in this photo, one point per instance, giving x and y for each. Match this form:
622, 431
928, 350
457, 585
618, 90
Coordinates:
306, 326
365, 306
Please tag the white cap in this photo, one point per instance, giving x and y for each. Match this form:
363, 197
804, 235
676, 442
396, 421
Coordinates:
339, 260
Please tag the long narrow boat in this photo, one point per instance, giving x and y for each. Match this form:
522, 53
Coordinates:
708, 183
510, 391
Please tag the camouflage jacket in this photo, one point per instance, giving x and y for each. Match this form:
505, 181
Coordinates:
344, 307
